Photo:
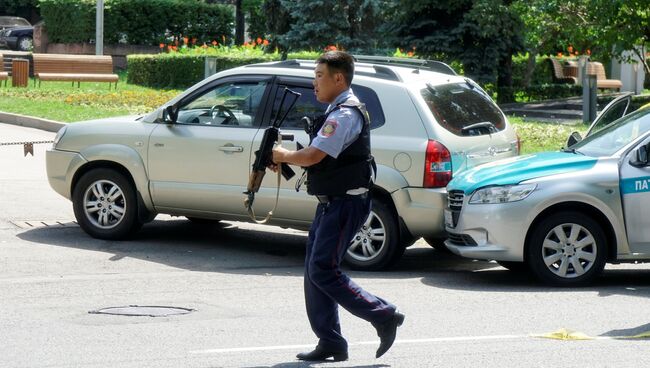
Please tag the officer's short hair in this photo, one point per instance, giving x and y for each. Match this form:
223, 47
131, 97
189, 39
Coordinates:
338, 62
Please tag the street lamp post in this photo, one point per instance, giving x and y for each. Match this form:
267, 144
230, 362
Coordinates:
99, 29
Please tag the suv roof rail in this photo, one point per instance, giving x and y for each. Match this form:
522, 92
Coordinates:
381, 72
432, 65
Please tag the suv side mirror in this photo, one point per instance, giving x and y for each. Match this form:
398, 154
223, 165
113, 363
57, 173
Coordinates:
170, 114
574, 138
640, 156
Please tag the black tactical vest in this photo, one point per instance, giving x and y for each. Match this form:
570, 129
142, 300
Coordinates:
352, 168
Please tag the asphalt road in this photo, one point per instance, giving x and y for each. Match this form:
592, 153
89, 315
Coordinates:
244, 284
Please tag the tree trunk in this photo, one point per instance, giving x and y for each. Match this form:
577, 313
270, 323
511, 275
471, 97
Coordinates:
239, 23
504, 80
530, 67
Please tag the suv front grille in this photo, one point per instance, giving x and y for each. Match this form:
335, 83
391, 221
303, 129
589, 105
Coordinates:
461, 240
455, 201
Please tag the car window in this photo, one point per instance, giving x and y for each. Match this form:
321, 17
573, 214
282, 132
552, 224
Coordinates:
229, 104
612, 138
463, 109
610, 115
13, 22
308, 106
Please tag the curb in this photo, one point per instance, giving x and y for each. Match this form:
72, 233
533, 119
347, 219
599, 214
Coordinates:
31, 122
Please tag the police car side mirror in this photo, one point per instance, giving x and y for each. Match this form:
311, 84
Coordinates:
640, 156
574, 138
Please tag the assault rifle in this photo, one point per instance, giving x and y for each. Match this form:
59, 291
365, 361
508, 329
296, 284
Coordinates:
264, 157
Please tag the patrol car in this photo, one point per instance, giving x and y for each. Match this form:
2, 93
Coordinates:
192, 156
562, 215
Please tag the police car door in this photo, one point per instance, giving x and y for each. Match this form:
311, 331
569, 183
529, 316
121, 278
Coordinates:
635, 191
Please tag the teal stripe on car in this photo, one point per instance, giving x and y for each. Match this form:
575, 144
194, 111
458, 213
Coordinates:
635, 185
517, 169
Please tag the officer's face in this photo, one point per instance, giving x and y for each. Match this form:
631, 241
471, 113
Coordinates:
327, 86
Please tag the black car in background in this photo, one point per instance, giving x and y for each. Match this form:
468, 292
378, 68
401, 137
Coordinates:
16, 33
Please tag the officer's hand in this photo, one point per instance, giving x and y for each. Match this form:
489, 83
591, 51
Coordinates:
274, 167
279, 154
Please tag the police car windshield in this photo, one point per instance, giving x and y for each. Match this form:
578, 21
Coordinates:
617, 135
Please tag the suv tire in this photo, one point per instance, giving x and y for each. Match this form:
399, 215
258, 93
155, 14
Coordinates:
369, 249
564, 240
105, 204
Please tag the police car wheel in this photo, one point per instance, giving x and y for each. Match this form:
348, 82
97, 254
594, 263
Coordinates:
105, 204
567, 249
376, 246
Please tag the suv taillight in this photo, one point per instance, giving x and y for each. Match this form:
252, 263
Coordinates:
518, 145
437, 165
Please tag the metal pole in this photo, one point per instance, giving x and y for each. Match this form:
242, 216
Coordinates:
99, 34
586, 98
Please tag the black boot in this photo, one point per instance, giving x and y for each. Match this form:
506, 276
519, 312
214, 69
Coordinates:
387, 332
320, 354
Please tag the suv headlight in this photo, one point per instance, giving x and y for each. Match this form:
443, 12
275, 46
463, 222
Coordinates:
59, 135
7, 33
502, 194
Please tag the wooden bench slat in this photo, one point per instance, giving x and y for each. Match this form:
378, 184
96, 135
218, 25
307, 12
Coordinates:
75, 68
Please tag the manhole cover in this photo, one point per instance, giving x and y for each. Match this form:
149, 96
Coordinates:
143, 310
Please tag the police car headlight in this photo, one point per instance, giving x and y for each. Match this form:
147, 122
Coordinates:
502, 194
59, 135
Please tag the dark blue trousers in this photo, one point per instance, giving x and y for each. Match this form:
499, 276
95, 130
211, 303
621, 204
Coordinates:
326, 286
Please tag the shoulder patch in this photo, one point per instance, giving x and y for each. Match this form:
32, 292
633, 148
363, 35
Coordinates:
329, 128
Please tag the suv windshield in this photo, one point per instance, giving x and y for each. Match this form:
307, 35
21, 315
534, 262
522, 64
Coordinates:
615, 136
463, 109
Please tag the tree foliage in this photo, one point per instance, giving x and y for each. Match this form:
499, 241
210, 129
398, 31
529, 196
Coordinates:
481, 34
350, 24
603, 28
22, 8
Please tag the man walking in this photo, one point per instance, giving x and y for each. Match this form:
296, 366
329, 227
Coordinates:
339, 173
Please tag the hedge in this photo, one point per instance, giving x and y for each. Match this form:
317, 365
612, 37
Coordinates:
185, 68
71, 21
179, 71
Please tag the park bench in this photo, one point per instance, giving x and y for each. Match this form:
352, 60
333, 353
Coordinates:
4, 76
74, 68
558, 73
593, 68
602, 82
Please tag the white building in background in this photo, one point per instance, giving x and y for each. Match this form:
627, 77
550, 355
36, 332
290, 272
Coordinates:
631, 74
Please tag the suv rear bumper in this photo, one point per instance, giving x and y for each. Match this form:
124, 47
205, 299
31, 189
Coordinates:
421, 209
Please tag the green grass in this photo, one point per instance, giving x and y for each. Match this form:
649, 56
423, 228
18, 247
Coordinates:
541, 136
63, 102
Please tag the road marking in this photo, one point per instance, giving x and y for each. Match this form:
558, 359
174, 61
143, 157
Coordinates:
376, 342
561, 334
565, 334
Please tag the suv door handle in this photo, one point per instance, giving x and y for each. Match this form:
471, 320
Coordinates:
231, 148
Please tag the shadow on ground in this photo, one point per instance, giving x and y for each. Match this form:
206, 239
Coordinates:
238, 248
241, 248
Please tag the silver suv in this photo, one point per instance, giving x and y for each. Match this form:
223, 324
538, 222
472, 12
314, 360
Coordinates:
427, 123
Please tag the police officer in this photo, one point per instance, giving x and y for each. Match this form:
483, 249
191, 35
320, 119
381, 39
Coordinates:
339, 173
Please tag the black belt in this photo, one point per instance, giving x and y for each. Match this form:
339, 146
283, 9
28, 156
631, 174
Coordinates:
325, 199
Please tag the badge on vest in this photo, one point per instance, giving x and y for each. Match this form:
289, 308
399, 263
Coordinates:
329, 128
